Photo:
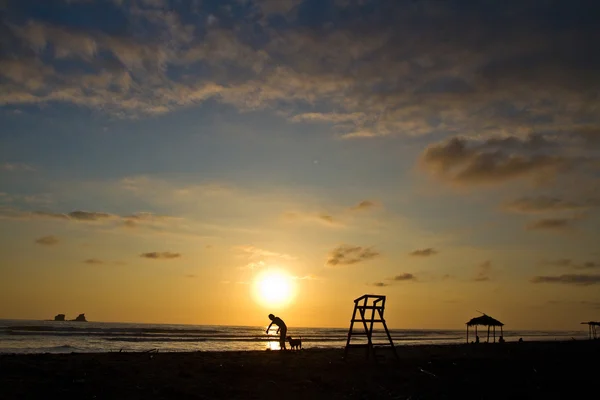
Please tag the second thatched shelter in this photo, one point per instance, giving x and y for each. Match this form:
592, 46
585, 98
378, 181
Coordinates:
485, 320
592, 331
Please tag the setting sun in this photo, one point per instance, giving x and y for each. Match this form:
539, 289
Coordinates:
273, 288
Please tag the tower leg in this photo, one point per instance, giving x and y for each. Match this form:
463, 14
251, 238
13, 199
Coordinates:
350, 331
387, 332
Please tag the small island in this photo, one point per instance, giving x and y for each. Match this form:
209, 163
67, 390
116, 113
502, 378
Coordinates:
80, 318
61, 317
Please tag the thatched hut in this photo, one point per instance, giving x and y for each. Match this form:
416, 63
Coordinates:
485, 320
592, 328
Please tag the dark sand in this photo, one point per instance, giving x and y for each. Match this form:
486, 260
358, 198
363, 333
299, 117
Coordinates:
486, 371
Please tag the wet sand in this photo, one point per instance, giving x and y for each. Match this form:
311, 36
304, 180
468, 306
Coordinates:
484, 371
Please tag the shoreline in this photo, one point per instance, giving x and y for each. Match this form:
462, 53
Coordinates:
549, 369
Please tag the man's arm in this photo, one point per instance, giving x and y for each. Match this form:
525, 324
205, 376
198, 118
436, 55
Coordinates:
267, 331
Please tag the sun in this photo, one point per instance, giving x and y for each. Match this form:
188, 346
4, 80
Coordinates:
273, 288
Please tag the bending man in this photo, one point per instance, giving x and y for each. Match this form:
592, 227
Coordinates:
281, 329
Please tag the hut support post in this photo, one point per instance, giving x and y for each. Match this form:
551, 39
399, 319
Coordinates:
488, 337
467, 333
494, 333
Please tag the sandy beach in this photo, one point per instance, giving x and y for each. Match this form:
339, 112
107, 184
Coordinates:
485, 371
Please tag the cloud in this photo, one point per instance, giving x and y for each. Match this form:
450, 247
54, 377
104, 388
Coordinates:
403, 277
424, 252
328, 117
380, 284
130, 221
253, 251
569, 279
14, 167
321, 218
89, 216
491, 162
309, 277
569, 263
165, 255
348, 255
93, 261
47, 240
398, 278
550, 224
543, 204
484, 270
191, 276
256, 265
479, 73
364, 205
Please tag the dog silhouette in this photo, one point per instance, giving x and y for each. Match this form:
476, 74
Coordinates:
295, 344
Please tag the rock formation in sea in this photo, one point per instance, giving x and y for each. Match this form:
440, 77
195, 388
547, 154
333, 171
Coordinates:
80, 318
59, 317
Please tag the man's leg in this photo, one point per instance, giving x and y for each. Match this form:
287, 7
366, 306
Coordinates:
282, 335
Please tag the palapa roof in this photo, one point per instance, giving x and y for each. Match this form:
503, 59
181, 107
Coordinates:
592, 323
485, 320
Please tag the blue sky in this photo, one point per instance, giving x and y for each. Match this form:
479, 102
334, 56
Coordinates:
445, 154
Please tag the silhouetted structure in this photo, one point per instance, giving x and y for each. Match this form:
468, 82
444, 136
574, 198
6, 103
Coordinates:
592, 328
485, 320
59, 317
80, 318
362, 304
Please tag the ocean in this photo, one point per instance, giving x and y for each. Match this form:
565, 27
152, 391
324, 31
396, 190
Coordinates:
23, 336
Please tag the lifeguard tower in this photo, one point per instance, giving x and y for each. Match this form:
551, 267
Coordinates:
375, 304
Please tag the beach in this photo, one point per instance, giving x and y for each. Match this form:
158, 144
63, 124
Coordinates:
486, 371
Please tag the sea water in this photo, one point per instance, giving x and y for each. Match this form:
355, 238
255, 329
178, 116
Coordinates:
23, 336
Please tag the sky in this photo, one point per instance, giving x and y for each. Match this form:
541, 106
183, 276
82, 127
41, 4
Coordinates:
160, 160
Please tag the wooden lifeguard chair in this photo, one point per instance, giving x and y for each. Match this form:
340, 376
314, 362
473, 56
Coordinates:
376, 304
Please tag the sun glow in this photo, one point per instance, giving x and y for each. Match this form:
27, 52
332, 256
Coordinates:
273, 289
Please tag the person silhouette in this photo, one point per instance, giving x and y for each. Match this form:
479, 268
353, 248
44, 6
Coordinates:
281, 329
477, 339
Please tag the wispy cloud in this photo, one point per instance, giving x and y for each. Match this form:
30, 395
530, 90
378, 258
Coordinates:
253, 251
569, 279
550, 224
320, 218
364, 205
543, 204
569, 263
309, 277
493, 161
403, 277
165, 255
14, 167
93, 261
380, 284
348, 255
424, 252
47, 240
483, 272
